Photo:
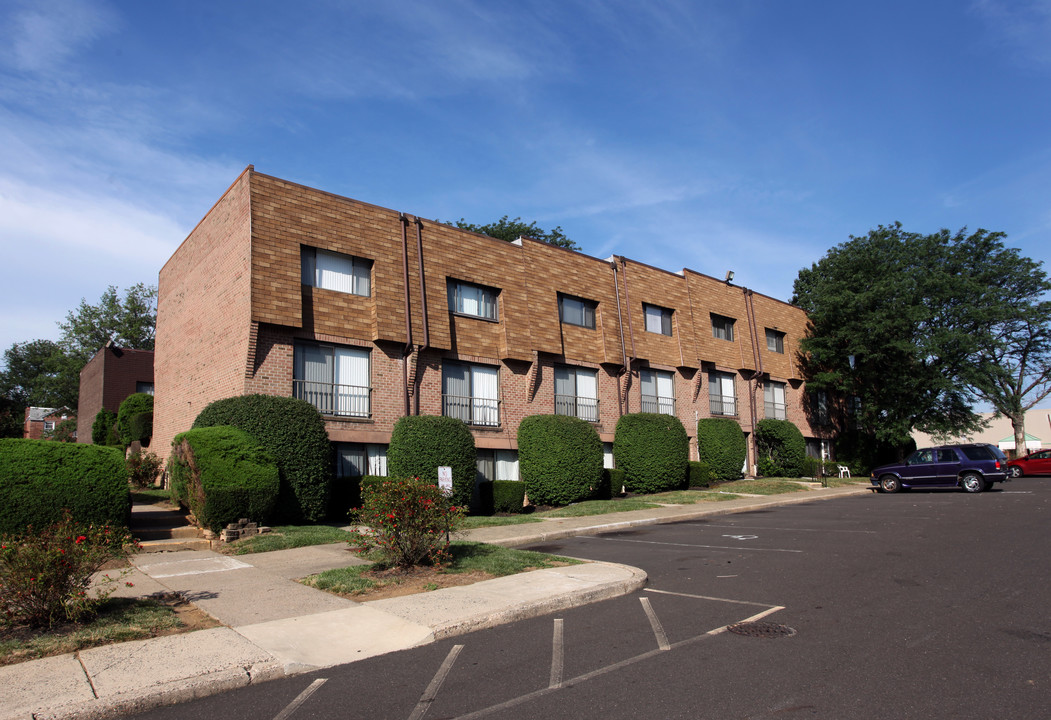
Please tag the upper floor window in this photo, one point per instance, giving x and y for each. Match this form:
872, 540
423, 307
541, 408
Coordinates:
336, 271
576, 311
471, 393
722, 399
775, 341
658, 391
576, 393
658, 319
774, 400
722, 327
468, 299
821, 407
333, 379
144, 387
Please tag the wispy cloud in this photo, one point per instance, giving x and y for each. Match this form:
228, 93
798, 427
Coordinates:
1022, 26
43, 34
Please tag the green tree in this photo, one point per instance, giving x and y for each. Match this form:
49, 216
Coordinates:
129, 322
511, 230
38, 373
903, 322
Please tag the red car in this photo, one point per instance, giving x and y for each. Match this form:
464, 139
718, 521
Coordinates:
1035, 463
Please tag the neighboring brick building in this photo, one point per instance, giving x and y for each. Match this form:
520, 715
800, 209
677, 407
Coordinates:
372, 314
40, 422
110, 376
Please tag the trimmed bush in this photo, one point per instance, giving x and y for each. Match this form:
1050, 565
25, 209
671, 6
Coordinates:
102, 427
225, 474
616, 481
780, 447
40, 478
142, 427
559, 458
420, 444
721, 446
133, 405
508, 496
699, 474
652, 449
293, 433
604, 491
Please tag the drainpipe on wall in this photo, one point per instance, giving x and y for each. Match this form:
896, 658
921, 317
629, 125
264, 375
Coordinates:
623, 349
408, 312
757, 358
426, 321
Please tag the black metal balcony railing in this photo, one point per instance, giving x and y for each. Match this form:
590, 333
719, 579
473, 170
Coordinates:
582, 407
657, 404
472, 410
722, 405
335, 399
775, 410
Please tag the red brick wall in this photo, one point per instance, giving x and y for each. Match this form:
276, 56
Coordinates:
106, 380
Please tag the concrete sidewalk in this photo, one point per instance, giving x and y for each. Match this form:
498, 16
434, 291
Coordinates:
274, 626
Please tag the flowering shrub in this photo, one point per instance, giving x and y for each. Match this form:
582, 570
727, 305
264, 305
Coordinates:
143, 467
409, 522
45, 576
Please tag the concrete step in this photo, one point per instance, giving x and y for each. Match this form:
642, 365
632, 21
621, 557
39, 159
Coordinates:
166, 533
173, 544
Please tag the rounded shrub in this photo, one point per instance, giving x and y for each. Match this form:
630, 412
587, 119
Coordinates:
133, 405
39, 479
780, 448
721, 446
142, 427
102, 427
293, 433
420, 444
559, 458
224, 474
508, 496
652, 449
699, 474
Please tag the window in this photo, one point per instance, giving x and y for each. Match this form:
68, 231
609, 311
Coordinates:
333, 379
774, 400
496, 465
144, 387
575, 311
49, 426
336, 271
576, 393
469, 392
722, 327
357, 459
658, 319
607, 457
468, 299
722, 399
658, 395
821, 407
775, 341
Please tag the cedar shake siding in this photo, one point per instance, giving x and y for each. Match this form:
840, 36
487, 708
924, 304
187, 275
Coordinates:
419, 308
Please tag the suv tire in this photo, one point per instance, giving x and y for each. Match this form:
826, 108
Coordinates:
973, 482
889, 484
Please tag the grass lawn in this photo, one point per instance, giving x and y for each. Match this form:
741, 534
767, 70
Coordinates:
119, 620
284, 537
761, 486
467, 557
479, 521
150, 496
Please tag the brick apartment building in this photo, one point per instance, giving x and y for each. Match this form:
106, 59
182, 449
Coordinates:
107, 379
371, 314
40, 422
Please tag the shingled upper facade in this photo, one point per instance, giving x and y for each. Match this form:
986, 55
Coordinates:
371, 314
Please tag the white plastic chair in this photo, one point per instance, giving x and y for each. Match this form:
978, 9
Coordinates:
844, 471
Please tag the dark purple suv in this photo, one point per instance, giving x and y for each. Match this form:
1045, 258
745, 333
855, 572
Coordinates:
973, 467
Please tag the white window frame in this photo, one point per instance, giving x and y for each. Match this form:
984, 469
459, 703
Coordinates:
582, 401
719, 403
658, 319
663, 398
723, 327
329, 270
481, 403
473, 300
577, 311
774, 402
340, 378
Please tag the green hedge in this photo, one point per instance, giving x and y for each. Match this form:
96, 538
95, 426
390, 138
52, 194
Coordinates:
617, 481
293, 433
721, 446
559, 458
133, 405
39, 478
224, 474
420, 444
508, 496
652, 449
699, 474
780, 449
102, 427
142, 427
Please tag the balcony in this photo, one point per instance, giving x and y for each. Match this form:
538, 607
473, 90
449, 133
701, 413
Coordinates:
472, 410
657, 404
582, 407
334, 399
722, 405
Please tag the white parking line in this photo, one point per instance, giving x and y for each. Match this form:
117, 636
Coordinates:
300, 699
658, 630
714, 547
761, 527
436, 684
716, 599
557, 656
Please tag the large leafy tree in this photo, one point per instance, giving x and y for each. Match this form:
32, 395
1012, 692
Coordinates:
918, 316
39, 373
511, 230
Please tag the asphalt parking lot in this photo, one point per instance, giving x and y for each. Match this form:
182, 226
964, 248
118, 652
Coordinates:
921, 604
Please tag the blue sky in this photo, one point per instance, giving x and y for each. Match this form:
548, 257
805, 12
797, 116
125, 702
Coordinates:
744, 135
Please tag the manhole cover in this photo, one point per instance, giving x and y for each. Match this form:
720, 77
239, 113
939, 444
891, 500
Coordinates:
761, 629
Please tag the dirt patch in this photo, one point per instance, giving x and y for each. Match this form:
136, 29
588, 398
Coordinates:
396, 582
